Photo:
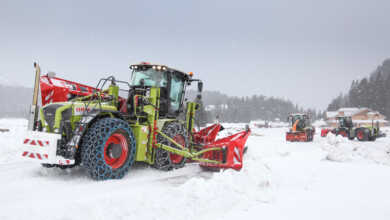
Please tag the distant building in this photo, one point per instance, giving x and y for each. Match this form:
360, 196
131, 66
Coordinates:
360, 117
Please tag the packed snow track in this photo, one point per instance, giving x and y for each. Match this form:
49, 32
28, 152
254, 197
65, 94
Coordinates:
330, 178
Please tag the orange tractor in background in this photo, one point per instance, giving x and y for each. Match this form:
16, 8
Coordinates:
301, 129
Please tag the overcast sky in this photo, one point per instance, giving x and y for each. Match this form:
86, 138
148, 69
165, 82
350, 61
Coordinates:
305, 50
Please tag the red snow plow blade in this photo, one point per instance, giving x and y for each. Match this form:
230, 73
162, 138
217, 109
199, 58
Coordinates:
207, 135
296, 136
231, 148
55, 89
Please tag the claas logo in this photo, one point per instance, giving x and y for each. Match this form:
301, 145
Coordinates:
82, 109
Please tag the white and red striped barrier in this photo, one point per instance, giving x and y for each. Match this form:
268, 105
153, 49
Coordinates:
41, 147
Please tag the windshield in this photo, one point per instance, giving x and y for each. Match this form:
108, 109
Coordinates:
304, 118
345, 122
295, 118
342, 122
150, 77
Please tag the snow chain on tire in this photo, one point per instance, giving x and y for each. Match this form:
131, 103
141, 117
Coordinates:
163, 160
93, 144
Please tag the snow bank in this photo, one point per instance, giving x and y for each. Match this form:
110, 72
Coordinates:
341, 149
280, 180
10, 140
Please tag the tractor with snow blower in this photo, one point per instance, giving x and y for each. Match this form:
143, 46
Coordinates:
301, 129
105, 133
346, 129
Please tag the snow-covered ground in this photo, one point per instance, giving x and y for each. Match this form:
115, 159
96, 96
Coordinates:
331, 178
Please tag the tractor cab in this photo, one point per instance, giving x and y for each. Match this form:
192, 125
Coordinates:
172, 84
345, 121
302, 120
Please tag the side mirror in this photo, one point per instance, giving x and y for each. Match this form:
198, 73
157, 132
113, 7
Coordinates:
200, 86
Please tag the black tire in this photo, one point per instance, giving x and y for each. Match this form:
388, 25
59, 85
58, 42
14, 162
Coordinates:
163, 158
362, 134
373, 134
309, 135
372, 138
94, 149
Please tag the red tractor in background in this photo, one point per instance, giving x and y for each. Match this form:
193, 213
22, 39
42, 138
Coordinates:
301, 129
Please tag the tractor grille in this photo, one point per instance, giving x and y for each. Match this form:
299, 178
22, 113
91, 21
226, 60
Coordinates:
50, 114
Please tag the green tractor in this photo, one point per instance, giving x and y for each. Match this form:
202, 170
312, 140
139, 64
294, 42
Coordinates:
346, 129
106, 134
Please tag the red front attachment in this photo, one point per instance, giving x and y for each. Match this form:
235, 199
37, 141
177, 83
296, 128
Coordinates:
55, 89
230, 154
325, 131
207, 135
296, 136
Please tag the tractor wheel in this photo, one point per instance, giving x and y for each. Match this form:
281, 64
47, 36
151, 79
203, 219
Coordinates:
164, 159
362, 134
309, 135
342, 133
372, 138
108, 149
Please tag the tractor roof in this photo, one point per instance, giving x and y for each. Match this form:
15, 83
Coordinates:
340, 117
295, 114
161, 67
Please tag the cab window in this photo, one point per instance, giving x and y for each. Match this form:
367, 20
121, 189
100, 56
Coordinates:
176, 93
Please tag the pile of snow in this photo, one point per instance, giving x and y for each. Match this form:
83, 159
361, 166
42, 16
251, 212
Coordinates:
319, 123
10, 140
280, 180
343, 150
227, 190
